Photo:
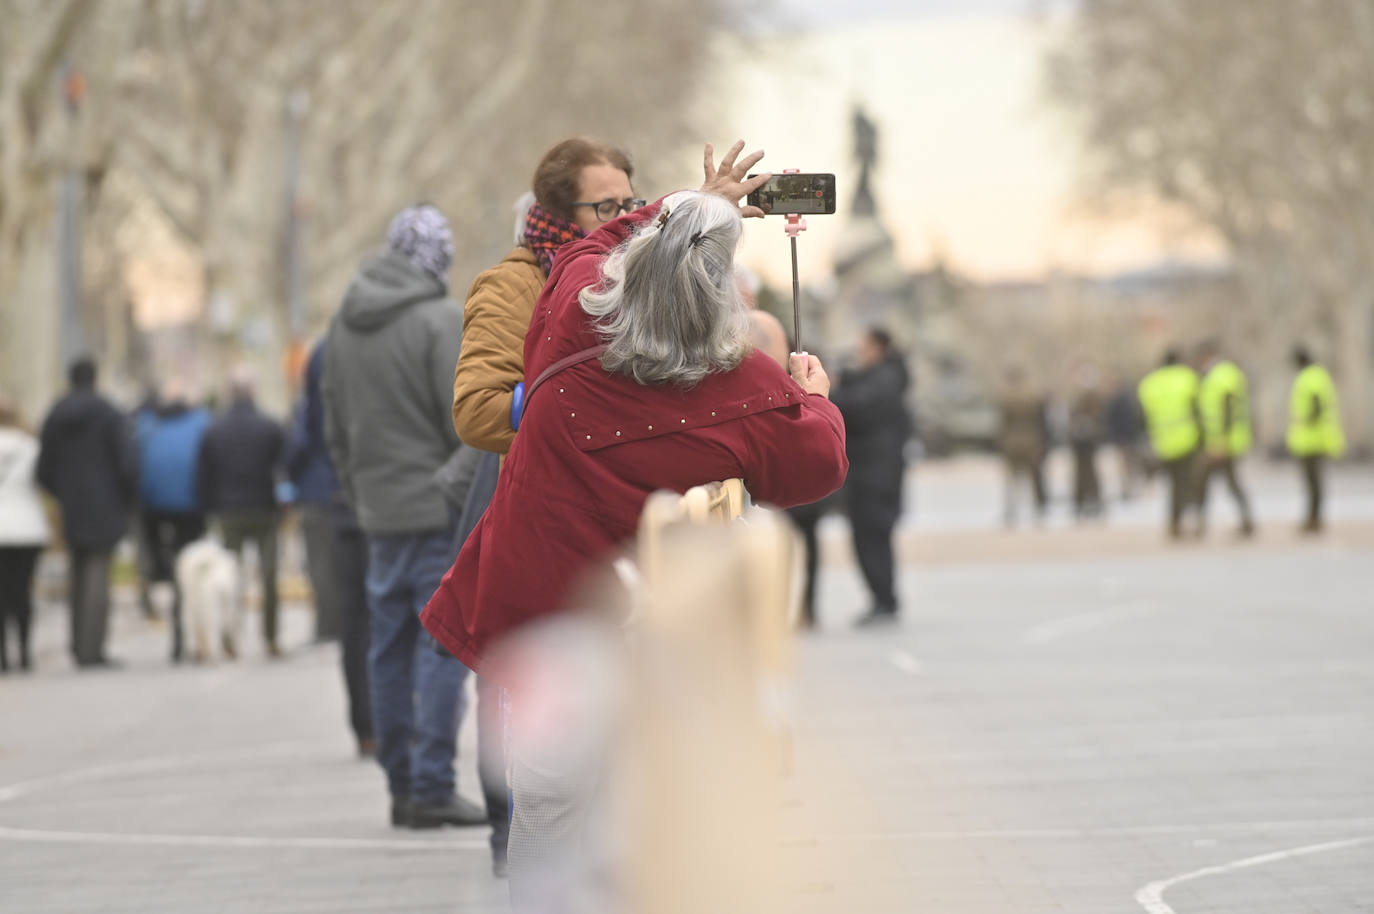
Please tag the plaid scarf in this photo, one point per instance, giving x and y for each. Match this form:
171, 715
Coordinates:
545, 233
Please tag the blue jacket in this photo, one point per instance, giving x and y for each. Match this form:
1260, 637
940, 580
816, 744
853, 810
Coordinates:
307, 458
169, 442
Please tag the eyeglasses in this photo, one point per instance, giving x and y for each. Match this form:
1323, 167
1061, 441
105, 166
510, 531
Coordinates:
608, 209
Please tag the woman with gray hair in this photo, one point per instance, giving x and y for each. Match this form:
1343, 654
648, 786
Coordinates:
638, 377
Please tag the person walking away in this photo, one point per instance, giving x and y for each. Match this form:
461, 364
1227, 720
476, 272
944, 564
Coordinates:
86, 460
1085, 437
1125, 429
239, 462
1224, 403
169, 436
1314, 430
388, 373
871, 398
1168, 396
578, 185
1024, 442
23, 532
335, 550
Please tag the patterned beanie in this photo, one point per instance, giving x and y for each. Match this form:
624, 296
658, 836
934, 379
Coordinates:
422, 235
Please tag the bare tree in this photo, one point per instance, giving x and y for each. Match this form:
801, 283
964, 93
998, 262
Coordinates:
1258, 117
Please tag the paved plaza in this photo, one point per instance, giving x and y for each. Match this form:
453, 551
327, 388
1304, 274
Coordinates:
1069, 721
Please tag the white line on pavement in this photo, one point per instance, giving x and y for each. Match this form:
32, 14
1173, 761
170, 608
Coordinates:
1055, 629
1151, 896
1123, 831
240, 841
905, 662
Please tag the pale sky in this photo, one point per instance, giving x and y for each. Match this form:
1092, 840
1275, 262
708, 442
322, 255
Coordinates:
972, 162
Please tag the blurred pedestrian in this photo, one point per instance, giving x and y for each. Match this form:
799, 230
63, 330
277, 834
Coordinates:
335, 550
87, 461
1024, 441
872, 398
1086, 433
1168, 396
240, 461
23, 531
1125, 433
1224, 403
578, 185
169, 436
637, 334
1314, 430
389, 364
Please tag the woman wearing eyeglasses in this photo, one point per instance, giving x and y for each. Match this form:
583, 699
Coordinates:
640, 376
578, 185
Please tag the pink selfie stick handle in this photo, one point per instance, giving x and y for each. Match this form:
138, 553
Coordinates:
794, 227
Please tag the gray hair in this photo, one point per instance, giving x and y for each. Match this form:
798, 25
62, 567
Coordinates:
667, 304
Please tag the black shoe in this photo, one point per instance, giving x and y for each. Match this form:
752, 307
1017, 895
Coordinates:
400, 812
876, 618
453, 811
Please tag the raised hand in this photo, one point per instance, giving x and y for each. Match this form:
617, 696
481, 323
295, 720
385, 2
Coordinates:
729, 179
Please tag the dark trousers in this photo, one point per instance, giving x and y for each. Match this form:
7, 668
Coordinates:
348, 559
89, 600
491, 763
1226, 466
1182, 473
165, 534
808, 519
1028, 468
260, 526
1313, 475
318, 528
873, 517
1087, 488
17, 564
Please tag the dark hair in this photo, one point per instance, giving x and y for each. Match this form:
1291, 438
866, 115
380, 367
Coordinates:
556, 179
1171, 356
81, 373
880, 336
1302, 356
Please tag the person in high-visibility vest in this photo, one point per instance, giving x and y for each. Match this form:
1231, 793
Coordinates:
1314, 429
1224, 404
1168, 396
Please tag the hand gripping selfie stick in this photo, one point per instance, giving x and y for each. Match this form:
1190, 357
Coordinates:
794, 227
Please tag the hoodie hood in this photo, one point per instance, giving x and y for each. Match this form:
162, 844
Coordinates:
384, 288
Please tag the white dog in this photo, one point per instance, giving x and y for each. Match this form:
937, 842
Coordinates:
208, 578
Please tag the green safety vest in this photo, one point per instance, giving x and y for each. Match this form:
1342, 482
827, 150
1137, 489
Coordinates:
1168, 396
1222, 381
1320, 435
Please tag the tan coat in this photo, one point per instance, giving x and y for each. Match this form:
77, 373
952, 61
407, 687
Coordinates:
492, 361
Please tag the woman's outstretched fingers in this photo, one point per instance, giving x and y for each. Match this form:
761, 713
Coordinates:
710, 162
749, 162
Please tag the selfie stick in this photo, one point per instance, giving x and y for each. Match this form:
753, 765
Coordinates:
794, 227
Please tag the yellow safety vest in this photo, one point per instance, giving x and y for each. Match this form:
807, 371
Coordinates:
1168, 396
1224, 380
1320, 435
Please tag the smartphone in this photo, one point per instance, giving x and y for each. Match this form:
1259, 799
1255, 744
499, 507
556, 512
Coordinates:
805, 194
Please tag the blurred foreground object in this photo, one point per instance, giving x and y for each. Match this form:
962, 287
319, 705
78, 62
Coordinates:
629, 754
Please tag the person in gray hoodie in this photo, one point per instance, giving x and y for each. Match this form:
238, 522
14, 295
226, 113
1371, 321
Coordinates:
388, 379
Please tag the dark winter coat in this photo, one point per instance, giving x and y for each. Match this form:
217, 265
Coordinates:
307, 456
240, 459
388, 394
877, 426
87, 461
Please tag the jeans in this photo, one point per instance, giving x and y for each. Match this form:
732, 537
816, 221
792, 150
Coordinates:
417, 692
165, 534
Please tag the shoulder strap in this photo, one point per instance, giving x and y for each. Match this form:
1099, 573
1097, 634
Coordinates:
577, 358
